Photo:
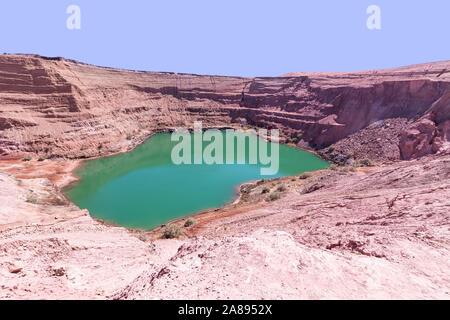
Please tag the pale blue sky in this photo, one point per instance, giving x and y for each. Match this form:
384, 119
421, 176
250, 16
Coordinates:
246, 38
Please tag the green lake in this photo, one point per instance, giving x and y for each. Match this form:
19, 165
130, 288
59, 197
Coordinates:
143, 188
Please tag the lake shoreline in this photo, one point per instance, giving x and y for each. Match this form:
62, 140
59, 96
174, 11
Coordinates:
237, 188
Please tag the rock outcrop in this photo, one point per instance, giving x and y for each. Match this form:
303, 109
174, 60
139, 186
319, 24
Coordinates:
62, 108
431, 133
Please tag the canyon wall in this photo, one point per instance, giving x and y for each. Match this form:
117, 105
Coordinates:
54, 107
376, 232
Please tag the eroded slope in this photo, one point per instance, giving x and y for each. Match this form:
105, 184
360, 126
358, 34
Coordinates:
57, 107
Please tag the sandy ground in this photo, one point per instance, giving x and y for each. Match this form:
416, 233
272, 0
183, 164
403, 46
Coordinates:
380, 232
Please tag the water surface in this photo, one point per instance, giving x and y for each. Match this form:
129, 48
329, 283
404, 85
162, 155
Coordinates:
143, 188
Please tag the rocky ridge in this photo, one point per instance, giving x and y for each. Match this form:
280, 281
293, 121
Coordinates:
56, 107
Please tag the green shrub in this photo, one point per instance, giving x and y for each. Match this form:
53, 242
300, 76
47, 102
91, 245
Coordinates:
265, 190
27, 158
366, 162
281, 188
304, 176
41, 159
129, 137
273, 196
171, 231
190, 222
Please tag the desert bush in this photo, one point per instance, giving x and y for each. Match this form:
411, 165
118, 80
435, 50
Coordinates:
27, 158
129, 137
273, 196
265, 190
281, 188
189, 223
366, 162
304, 176
171, 231
41, 159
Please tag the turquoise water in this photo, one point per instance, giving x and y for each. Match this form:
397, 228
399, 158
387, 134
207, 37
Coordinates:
143, 189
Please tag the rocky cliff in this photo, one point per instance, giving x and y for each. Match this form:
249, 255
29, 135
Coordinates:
56, 107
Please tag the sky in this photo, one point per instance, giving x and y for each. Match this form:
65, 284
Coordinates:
242, 37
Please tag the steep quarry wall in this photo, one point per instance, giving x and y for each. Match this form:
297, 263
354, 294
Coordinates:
56, 107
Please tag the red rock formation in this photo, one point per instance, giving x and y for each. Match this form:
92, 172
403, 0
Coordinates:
76, 110
431, 133
379, 232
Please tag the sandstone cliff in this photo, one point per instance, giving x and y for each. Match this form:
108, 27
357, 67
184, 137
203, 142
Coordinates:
57, 107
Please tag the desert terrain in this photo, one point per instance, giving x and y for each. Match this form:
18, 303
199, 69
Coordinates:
373, 226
